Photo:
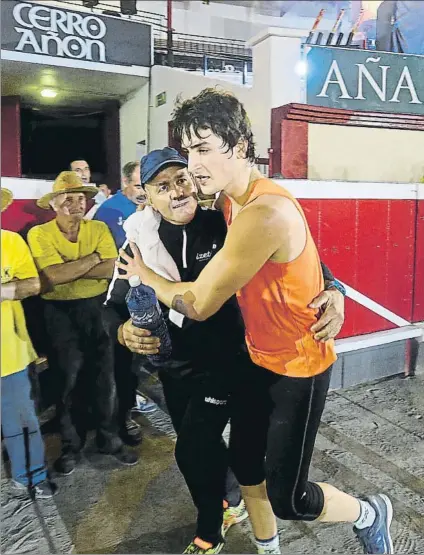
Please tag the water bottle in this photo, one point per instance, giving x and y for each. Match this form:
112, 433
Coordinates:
146, 313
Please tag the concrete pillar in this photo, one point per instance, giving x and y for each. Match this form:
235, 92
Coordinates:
276, 81
276, 55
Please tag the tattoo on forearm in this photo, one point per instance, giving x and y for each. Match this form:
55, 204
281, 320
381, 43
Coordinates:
184, 304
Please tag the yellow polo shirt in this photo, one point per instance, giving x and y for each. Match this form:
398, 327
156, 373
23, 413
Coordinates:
50, 247
16, 263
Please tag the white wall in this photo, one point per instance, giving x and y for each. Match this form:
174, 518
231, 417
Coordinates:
175, 82
133, 116
365, 154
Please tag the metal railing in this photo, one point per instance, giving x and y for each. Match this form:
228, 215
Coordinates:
157, 21
182, 42
204, 46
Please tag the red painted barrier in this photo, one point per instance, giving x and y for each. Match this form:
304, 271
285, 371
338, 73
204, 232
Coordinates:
418, 301
369, 244
374, 245
23, 214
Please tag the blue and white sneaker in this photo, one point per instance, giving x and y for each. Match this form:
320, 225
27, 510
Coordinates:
376, 538
143, 404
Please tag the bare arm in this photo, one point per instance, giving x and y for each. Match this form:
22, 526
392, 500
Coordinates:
58, 274
256, 234
20, 289
104, 270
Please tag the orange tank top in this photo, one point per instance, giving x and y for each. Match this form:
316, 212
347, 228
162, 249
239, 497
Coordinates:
275, 309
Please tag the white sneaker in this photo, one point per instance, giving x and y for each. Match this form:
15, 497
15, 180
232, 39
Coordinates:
233, 515
43, 490
143, 404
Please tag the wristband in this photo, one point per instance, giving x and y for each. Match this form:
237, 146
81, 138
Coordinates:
335, 284
8, 291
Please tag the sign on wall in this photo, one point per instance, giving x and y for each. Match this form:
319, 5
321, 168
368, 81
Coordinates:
161, 99
40, 29
364, 80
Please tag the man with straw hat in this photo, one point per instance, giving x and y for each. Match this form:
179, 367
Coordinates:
19, 280
75, 258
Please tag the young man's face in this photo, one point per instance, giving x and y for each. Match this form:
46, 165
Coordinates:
212, 166
133, 189
81, 168
172, 193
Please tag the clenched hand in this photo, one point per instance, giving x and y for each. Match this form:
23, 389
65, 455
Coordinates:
137, 340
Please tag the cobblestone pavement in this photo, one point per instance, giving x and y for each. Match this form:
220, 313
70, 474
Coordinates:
371, 439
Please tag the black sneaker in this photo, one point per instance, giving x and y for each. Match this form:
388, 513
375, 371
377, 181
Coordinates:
125, 456
131, 433
43, 490
65, 464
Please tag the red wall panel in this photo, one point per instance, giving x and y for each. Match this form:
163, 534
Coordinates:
11, 136
368, 244
294, 149
24, 214
402, 239
418, 305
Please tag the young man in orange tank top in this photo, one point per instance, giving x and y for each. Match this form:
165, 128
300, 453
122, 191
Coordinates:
270, 261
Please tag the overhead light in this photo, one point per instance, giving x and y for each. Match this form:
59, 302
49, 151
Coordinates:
128, 7
90, 3
301, 68
48, 93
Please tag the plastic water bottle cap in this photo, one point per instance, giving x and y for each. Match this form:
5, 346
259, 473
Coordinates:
134, 281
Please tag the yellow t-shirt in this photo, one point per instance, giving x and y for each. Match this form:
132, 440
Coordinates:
16, 263
50, 247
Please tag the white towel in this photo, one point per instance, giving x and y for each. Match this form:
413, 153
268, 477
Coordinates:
142, 228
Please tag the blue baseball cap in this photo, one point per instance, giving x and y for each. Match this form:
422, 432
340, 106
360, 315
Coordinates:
156, 160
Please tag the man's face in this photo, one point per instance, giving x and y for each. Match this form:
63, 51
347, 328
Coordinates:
81, 168
172, 193
71, 205
209, 162
133, 189
105, 190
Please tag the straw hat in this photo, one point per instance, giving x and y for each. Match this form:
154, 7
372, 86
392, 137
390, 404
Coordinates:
67, 182
6, 198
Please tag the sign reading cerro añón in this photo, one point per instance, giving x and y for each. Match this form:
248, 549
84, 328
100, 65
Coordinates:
51, 31
364, 80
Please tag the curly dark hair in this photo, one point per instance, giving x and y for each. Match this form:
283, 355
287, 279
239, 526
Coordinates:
219, 111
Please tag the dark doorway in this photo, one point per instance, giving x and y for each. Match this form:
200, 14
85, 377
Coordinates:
52, 138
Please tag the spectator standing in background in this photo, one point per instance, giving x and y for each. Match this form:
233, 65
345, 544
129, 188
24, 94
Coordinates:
104, 193
82, 169
114, 213
19, 280
76, 259
106, 190
118, 208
